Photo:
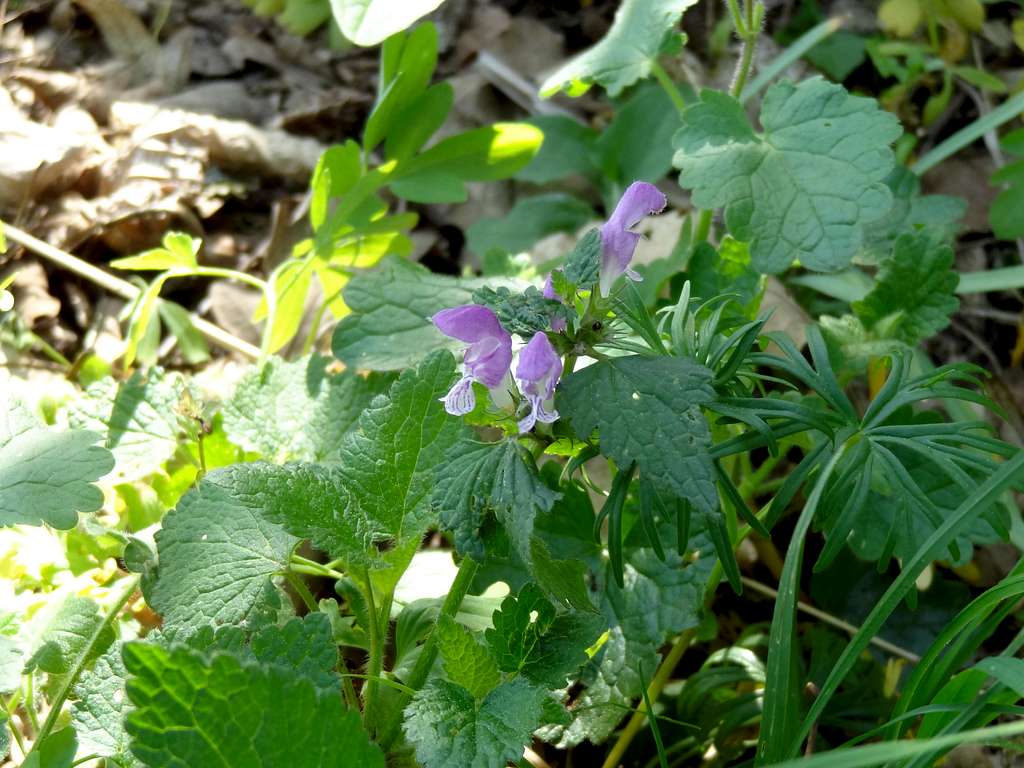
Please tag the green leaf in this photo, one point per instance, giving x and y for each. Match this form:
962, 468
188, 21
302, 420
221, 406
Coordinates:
369, 22
523, 313
305, 646
484, 154
436, 186
402, 84
1004, 214
624, 55
567, 149
179, 252
218, 551
498, 478
802, 189
530, 220
419, 121
178, 321
648, 410
97, 714
140, 419
583, 265
190, 711
390, 327
911, 212
46, 476
1007, 670
529, 639
12, 661
291, 283
448, 727
623, 154
73, 635
55, 751
915, 290
838, 54
379, 497
298, 409
466, 661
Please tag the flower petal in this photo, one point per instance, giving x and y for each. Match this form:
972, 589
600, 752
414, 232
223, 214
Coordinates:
539, 366
639, 200
469, 323
460, 399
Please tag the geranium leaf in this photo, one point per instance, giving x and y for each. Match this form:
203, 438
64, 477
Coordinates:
805, 187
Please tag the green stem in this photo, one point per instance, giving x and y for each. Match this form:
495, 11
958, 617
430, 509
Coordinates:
11, 706
668, 86
425, 662
30, 701
69, 680
303, 591
376, 662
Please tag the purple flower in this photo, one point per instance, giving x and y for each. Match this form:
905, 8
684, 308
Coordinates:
537, 373
558, 324
618, 242
487, 359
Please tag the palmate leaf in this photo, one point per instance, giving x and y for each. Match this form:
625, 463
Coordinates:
192, 711
647, 410
624, 55
47, 476
802, 189
298, 409
449, 727
914, 292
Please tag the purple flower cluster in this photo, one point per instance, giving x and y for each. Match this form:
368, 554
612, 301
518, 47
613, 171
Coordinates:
488, 356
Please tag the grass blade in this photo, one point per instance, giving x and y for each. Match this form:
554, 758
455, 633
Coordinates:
1005, 112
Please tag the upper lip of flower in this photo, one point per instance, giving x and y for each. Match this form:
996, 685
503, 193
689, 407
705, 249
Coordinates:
617, 239
489, 354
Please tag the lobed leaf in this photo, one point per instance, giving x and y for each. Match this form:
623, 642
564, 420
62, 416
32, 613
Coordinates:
805, 187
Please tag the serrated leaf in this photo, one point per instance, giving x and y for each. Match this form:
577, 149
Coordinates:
190, 711
523, 313
389, 328
911, 212
218, 551
481, 478
298, 409
802, 189
379, 496
448, 727
583, 265
140, 420
72, 636
100, 705
47, 476
529, 639
466, 661
914, 292
624, 54
648, 410
659, 600
305, 646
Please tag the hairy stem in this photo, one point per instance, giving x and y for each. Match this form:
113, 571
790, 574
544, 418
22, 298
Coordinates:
376, 661
425, 662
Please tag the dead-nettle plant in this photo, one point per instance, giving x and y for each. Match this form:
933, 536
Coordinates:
600, 445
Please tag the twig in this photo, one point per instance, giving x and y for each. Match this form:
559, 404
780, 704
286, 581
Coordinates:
834, 621
122, 288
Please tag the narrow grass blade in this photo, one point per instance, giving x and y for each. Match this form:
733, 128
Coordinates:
1005, 112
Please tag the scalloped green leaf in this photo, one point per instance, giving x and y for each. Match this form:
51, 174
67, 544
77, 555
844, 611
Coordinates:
47, 476
805, 187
